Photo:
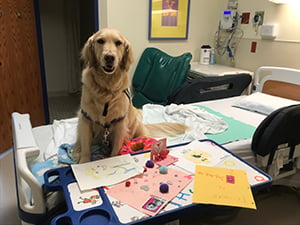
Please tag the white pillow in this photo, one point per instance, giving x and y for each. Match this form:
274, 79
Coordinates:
263, 103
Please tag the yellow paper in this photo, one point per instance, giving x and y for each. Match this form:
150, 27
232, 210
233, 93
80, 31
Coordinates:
221, 186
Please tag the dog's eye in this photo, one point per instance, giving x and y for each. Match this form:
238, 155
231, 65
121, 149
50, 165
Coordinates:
100, 41
118, 43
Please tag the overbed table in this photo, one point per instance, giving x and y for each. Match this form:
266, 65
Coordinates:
102, 209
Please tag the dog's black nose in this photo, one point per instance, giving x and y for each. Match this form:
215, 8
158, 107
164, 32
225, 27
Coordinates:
109, 59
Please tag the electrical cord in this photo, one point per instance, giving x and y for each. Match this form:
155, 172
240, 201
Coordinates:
227, 40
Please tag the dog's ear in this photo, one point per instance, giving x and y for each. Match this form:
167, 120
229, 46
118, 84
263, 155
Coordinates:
88, 53
127, 58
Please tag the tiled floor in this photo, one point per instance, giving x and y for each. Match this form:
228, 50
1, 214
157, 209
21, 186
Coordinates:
63, 107
278, 206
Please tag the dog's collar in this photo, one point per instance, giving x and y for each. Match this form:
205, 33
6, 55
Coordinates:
104, 113
106, 125
127, 93
105, 110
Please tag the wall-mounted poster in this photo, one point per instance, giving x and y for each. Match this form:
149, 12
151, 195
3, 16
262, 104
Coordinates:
168, 19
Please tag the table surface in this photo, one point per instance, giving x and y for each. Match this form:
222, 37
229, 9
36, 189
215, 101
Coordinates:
108, 210
216, 69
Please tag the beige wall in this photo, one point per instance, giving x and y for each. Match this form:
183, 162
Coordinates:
131, 18
284, 51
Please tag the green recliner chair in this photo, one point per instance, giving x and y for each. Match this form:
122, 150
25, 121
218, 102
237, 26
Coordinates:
157, 75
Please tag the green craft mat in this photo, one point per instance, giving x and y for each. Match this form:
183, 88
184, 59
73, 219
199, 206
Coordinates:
236, 130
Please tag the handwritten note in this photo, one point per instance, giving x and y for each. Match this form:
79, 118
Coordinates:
221, 186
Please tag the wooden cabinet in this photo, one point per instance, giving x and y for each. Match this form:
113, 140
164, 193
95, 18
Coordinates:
21, 88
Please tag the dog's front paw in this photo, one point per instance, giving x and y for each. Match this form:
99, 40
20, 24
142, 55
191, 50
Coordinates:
76, 154
115, 152
76, 157
79, 158
84, 159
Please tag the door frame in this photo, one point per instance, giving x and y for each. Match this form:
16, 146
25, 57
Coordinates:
41, 58
41, 52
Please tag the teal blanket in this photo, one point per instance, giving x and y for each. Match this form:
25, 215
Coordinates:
237, 130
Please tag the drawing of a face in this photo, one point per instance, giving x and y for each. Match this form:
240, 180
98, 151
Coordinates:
198, 157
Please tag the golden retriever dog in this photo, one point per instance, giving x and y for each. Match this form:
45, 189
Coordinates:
107, 116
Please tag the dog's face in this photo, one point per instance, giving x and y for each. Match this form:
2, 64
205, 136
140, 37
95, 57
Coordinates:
109, 50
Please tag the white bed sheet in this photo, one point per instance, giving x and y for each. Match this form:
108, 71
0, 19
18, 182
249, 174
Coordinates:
242, 147
225, 107
44, 135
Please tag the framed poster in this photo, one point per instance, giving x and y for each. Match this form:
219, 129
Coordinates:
168, 19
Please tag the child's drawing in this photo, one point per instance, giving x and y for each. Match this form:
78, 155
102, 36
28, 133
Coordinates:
105, 172
198, 153
146, 189
198, 156
83, 199
99, 171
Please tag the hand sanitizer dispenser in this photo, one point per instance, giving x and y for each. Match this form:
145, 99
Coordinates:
205, 54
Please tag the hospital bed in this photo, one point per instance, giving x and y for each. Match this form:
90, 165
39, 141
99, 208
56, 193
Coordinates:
31, 145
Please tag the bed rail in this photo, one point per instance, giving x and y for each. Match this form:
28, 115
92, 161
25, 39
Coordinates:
281, 159
278, 81
25, 149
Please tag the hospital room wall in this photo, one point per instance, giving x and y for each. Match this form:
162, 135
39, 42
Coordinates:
133, 23
132, 20
204, 18
283, 51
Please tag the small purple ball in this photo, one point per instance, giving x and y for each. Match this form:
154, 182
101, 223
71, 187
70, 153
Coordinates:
150, 164
164, 188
